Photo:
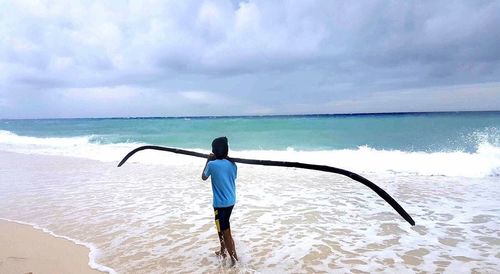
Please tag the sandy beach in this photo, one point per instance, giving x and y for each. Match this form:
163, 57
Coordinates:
24, 249
145, 218
365, 136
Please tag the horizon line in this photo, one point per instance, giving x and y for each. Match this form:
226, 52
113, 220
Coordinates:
263, 115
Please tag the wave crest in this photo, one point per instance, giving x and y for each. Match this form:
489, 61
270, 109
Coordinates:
484, 162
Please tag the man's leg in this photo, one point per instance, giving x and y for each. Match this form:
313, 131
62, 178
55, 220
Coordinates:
229, 245
222, 251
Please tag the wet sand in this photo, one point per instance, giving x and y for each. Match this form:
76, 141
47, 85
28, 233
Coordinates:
158, 219
24, 249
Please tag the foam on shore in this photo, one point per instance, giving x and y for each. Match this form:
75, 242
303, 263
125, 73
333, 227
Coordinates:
156, 219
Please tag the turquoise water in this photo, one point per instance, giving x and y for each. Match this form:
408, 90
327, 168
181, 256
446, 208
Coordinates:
429, 132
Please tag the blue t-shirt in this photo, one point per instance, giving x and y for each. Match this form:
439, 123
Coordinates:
223, 176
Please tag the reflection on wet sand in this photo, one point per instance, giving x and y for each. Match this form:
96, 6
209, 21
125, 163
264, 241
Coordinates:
157, 219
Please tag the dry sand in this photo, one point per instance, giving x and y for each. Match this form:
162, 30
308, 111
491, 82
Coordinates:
24, 249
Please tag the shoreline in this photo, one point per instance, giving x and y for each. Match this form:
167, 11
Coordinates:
39, 250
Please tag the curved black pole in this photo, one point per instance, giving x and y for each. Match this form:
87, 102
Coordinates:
344, 172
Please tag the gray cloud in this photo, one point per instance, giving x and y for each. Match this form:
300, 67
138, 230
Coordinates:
255, 56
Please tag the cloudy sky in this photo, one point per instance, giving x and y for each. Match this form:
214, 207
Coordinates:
184, 58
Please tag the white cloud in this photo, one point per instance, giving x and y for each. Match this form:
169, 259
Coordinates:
211, 99
200, 35
101, 94
4, 103
61, 63
198, 96
469, 97
275, 55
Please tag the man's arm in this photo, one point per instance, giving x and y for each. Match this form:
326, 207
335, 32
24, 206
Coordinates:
210, 158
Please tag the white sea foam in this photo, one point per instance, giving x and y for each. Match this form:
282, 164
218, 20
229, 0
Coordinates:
158, 219
484, 162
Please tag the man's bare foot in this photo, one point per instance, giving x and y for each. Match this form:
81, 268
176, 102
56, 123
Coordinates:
221, 254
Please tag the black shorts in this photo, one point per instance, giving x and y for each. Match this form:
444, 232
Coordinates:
222, 215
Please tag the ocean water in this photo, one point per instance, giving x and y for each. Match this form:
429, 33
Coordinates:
455, 144
154, 215
426, 132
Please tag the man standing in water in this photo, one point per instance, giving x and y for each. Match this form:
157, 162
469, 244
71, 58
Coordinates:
223, 175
